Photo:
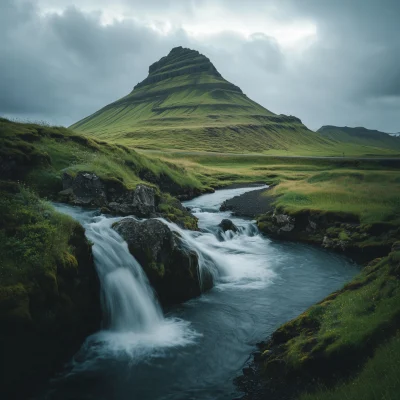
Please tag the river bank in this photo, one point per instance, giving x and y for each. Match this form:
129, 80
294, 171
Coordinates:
332, 340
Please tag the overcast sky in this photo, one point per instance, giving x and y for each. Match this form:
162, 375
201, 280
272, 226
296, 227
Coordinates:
330, 62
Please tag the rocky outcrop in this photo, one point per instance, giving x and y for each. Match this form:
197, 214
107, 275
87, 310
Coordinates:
43, 322
338, 231
228, 225
87, 189
172, 269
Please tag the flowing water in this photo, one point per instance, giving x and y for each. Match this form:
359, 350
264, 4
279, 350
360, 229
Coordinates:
194, 350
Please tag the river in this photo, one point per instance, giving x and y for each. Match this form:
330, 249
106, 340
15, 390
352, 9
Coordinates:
196, 349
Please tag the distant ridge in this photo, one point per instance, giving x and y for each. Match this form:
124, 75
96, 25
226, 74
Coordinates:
184, 103
361, 136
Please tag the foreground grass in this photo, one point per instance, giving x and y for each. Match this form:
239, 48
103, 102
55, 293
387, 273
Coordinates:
378, 380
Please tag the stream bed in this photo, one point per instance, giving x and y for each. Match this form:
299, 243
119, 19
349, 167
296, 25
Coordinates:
196, 349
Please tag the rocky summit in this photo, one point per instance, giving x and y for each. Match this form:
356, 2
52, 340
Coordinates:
185, 103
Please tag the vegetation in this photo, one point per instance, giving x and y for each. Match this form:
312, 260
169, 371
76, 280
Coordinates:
361, 136
40, 154
379, 379
33, 237
342, 334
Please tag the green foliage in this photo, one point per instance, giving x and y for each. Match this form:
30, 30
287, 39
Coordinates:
32, 235
41, 154
343, 329
379, 378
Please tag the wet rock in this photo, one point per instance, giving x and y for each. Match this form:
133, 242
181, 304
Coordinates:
276, 224
140, 202
172, 268
228, 225
87, 189
84, 189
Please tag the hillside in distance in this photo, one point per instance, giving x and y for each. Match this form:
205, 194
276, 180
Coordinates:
361, 136
185, 104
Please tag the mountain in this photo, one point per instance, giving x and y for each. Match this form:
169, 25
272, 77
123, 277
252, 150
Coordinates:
361, 136
185, 103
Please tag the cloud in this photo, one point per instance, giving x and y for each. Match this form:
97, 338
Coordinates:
325, 62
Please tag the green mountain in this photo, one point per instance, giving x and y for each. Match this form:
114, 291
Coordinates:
185, 103
361, 136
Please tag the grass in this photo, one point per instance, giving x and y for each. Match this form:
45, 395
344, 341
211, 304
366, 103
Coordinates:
378, 380
40, 154
363, 193
332, 339
33, 237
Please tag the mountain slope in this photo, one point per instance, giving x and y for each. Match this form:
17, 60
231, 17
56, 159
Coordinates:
185, 103
361, 136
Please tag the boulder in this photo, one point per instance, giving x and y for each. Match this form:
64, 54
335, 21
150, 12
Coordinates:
276, 224
172, 269
228, 225
87, 189
140, 202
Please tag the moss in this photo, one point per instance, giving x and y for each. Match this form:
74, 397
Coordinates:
172, 210
341, 331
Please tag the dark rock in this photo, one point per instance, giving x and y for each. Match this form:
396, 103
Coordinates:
43, 324
140, 202
172, 269
228, 225
87, 189
247, 371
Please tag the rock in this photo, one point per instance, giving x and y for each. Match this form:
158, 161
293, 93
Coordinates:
140, 202
84, 189
87, 189
228, 225
276, 224
172, 269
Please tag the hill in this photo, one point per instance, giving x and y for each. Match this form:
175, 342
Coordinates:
361, 136
186, 104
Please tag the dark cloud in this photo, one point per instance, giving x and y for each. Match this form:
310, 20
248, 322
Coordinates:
61, 67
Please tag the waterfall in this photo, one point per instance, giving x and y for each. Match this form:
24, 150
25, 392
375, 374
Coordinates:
128, 300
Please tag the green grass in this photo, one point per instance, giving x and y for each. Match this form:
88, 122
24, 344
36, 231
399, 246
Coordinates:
337, 336
378, 380
41, 154
373, 196
33, 237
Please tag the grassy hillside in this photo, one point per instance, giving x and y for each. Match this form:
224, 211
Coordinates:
185, 103
361, 136
39, 155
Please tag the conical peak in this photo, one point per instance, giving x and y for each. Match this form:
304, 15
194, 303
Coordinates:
180, 61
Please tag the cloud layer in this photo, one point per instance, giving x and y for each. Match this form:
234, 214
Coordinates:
325, 62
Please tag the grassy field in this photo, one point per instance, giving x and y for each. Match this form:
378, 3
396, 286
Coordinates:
369, 189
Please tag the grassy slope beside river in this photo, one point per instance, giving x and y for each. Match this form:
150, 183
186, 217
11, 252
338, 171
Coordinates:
49, 292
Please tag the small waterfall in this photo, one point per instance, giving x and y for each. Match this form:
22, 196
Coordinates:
128, 300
